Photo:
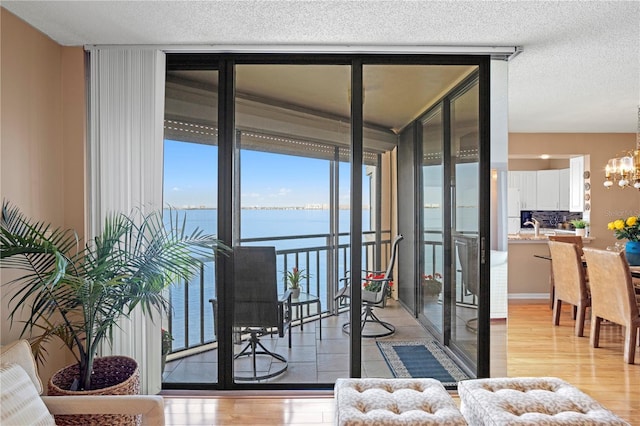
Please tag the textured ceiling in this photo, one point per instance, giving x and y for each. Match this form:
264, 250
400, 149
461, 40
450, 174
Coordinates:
579, 70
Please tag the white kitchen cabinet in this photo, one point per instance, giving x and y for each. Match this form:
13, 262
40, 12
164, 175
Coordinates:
576, 184
564, 189
513, 225
548, 190
526, 182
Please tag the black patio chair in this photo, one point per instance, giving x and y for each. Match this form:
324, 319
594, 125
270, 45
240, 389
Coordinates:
371, 300
258, 310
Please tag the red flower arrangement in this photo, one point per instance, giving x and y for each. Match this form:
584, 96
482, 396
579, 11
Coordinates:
432, 284
373, 282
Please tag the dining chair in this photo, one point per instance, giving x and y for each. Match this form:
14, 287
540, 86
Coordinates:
569, 281
573, 239
613, 297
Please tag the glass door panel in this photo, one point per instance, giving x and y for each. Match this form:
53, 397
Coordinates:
432, 274
393, 96
287, 148
191, 190
465, 168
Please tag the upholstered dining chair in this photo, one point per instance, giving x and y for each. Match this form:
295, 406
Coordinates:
573, 239
377, 299
613, 297
569, 281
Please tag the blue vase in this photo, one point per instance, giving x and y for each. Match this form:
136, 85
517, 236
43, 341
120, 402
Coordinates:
632, 251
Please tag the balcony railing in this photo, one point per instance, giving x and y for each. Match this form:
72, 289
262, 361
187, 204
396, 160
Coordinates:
191, 319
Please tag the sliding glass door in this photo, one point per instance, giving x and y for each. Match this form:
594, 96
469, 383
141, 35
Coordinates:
191, 192
431, 294
287, 147
450, 208
465, 223
311, 166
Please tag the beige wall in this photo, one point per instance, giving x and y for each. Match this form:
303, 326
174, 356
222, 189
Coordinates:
538, 164
42, 133
606, 204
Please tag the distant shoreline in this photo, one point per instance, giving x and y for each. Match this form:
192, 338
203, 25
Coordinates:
266, 208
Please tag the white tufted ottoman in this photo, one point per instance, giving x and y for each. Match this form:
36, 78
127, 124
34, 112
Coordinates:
394, 402
530, 401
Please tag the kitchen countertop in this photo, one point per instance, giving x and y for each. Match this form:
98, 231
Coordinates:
526, 235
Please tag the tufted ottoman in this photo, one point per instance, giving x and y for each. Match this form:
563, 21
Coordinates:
530, 401
394, 402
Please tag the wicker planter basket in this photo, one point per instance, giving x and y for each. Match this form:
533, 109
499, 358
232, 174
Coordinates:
112, 375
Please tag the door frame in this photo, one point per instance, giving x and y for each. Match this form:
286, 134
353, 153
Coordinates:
225, 63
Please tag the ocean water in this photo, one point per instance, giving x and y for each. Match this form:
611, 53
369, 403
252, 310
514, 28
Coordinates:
267, 224
254, 224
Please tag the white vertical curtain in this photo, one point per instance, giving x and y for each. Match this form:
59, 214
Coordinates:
125, 170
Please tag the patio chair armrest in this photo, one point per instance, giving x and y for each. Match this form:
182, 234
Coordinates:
286, 296
373, 272
342, 292
151, 407
284, 313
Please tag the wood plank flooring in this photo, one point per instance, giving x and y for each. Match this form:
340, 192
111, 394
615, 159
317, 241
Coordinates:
535, 348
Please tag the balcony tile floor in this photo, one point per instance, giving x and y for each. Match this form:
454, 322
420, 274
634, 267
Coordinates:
311, 360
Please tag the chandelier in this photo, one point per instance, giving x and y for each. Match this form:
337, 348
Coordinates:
625, 170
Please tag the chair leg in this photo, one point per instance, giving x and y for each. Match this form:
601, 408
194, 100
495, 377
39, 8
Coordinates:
582, 312
557, 309
595, 331
255, 347
370, 317
630, 344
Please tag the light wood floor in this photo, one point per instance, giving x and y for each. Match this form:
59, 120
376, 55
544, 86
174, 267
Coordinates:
535, 348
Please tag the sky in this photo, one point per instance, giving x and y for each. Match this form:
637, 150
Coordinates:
267, 180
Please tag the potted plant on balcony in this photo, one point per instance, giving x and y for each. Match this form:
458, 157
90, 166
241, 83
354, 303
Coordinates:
432, 285
78, 294
293, 279
372, 287
167, 342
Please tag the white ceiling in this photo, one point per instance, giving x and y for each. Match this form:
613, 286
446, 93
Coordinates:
579, 70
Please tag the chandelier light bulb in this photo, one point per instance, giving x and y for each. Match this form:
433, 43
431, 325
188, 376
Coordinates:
623, 182
626, 164
636, 184
608, 184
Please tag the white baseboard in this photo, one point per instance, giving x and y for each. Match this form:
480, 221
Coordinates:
528, 296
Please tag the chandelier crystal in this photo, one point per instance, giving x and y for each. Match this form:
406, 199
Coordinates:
625, 170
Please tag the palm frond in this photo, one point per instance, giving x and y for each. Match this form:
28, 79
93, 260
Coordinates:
79, 294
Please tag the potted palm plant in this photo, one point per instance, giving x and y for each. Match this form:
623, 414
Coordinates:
78, 294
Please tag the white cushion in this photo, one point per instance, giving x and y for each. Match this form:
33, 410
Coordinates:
19, 352
20, 403
394, 402
530, 401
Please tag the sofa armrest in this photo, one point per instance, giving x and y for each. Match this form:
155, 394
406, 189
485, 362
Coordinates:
151, 407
